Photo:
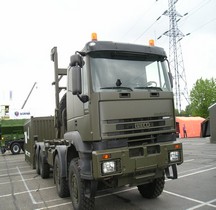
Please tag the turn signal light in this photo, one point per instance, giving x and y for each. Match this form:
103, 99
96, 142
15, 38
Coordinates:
177, 146
106, 156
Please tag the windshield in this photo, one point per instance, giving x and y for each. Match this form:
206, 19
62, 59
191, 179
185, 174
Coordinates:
110, 74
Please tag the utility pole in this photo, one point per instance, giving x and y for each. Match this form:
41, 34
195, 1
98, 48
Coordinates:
175, 55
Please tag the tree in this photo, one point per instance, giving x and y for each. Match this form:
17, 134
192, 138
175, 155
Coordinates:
202, 96
185, 113
188, 111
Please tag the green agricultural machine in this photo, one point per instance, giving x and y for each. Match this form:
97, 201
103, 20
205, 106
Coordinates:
12, 135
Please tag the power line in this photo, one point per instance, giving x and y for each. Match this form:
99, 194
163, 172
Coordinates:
186, 15
194, 10
203, 25
138, 20
145, 31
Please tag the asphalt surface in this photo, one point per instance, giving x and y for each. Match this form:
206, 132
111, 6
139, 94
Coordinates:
21, 188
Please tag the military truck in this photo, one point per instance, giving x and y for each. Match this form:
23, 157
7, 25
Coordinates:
114, 123
12, 135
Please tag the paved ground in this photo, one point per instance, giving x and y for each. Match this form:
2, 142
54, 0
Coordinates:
21, 188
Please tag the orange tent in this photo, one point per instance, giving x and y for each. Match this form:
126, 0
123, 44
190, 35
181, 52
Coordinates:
192, 125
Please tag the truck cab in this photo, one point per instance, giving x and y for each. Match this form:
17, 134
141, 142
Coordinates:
128, 93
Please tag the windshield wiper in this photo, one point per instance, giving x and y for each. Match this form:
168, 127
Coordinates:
149, 88
118, 87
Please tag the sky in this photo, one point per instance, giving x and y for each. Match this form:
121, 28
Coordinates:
31, 28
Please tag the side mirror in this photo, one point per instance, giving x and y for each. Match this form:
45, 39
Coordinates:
76, 62
76, 80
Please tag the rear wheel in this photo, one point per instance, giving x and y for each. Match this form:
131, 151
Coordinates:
37, 162
77, 188
15, 148
44, 166
153, 189
61, 182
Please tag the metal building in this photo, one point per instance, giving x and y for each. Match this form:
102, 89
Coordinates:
212, 117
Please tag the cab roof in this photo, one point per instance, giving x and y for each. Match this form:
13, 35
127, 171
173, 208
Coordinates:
94, 46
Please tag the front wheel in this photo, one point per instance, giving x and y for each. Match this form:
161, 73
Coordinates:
15, 148
153, 189
77, 188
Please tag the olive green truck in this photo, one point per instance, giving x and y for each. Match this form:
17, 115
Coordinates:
114, 123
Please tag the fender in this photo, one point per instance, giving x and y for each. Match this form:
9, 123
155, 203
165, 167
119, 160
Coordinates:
61, 152
85, 153
18, 141
74, 138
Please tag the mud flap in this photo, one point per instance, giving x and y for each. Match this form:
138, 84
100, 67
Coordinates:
3, 150
90, 188
174, 174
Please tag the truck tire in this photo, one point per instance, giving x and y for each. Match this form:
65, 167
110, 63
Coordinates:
153, 189
44, 166
61, 182
77, 188
15, 148
37, 162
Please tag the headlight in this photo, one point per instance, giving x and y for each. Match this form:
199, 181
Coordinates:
108, 167
174, 156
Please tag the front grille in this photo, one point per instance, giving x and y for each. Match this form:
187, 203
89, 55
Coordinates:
136, 125
136, 130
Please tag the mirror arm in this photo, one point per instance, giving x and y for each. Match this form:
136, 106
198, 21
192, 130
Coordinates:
83, 98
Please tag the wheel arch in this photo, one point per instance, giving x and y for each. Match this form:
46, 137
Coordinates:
71, 154
76, 140
80, 149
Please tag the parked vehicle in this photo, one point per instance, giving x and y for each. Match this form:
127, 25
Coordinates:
12, 135
114, 124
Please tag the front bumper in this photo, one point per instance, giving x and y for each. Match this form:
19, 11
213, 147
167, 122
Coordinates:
141, 162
